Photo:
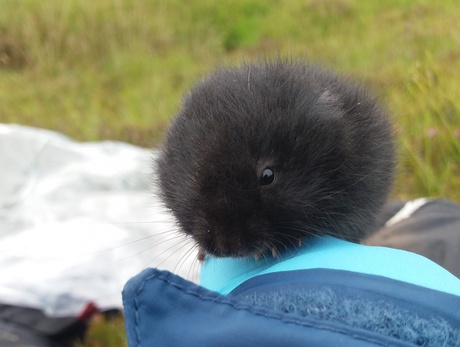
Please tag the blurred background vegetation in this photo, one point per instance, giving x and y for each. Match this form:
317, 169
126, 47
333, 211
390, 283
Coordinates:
116, 69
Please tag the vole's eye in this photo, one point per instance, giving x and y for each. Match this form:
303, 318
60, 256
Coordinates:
267, 177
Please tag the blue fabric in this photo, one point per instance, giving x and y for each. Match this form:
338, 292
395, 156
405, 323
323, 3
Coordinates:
327, 293
224, 274
396, 309
162, 309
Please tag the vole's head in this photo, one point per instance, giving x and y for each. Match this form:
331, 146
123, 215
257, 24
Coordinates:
265, 155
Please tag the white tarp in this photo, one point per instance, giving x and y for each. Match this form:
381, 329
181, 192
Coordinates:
77, 220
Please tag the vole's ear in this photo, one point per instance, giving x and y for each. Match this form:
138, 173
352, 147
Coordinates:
328, 97
331, 100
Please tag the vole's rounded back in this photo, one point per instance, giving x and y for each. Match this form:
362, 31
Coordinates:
265, 155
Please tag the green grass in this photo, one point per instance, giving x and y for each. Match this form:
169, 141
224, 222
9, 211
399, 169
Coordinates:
105, 332
116, 69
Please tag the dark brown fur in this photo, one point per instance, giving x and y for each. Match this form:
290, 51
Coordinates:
328, 143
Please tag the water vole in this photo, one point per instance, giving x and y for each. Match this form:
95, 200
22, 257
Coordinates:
263, 156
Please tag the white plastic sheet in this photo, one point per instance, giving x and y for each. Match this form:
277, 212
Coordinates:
77, 220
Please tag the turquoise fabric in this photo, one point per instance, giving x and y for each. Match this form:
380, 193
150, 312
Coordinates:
225, 274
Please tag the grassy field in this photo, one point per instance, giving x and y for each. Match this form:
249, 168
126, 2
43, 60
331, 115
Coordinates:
116, 69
